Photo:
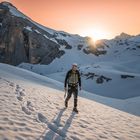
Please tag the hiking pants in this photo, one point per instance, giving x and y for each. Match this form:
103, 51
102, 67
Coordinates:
74, 91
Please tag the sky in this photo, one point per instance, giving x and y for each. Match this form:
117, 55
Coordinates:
100, 19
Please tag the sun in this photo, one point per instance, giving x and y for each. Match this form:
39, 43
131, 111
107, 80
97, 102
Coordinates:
95, 34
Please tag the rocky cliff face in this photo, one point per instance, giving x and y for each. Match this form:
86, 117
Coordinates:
22, 41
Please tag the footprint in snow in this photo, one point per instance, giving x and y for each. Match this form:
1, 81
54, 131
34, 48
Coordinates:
20, 92
26, 110
30, 106
20, 98
20, 95
27, 107
11, 84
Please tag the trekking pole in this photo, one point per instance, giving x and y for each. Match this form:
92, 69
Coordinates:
65, 94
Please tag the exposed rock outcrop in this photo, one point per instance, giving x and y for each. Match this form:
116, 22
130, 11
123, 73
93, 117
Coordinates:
23, 41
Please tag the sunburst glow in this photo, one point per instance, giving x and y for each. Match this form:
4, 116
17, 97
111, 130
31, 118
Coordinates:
96, 34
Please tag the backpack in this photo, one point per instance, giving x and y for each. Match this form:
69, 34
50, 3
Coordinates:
73, 78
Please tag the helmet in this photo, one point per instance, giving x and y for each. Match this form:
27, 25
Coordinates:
74, 64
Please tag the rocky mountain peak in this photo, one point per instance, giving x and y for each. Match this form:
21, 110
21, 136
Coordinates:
5, 3
123, 36
23, 41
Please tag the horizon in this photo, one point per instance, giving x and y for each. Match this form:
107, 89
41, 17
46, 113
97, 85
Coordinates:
124, 20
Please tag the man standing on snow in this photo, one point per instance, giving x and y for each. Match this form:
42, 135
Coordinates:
72, 79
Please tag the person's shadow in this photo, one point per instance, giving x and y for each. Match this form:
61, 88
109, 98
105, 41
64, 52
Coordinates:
56, 130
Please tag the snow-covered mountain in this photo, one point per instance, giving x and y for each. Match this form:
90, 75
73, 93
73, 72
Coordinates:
115, 74
118, 51
109, 68
23, 40
32, 107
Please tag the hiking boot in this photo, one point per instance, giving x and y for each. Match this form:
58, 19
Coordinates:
66, 104
75, 110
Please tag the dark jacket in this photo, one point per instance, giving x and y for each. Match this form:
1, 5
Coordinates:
68, 76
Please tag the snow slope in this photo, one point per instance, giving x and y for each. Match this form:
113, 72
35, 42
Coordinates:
32, 107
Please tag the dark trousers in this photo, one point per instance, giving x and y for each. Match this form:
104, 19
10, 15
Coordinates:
74, 91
